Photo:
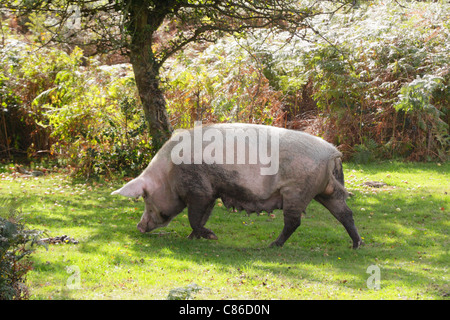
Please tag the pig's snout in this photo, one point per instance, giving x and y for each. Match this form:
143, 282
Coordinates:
151, 221
146, 224
141, 228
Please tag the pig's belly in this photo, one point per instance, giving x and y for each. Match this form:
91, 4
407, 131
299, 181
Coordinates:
251, 204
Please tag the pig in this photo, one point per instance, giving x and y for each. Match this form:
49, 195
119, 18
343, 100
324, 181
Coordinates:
250, 167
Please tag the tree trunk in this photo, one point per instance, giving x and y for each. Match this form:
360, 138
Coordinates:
153, 101
146, 71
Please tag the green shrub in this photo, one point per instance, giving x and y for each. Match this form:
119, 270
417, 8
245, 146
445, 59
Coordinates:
16, 245
378, 72
74, 109
366, 152
416, 100
223, 83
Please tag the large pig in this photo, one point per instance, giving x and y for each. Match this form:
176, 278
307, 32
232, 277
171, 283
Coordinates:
250, 167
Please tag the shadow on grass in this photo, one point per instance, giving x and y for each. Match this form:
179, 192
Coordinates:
409, 246
405, 245
402, 167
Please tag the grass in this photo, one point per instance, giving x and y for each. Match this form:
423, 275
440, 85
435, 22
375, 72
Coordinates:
404, 225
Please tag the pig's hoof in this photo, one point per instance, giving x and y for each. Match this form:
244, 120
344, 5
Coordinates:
207, 234
212, 236
275, 244
357, 244
194, 235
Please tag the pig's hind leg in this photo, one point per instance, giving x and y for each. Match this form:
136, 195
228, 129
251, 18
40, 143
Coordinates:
338, 207
199, 211
293, 206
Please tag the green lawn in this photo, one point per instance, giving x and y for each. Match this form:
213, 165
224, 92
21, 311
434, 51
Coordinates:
404, 226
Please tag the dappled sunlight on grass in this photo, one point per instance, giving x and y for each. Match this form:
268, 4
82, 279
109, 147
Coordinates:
404, 227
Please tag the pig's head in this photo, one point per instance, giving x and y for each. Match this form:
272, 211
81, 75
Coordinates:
153, 216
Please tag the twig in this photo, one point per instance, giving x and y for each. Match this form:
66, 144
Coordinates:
162, 233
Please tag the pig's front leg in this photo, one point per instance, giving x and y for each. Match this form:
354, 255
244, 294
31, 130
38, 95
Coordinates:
199, 211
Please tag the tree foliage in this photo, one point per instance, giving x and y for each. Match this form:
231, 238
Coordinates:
151, 31
374, 80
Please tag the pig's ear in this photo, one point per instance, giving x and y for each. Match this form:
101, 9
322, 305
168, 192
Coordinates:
133, 189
